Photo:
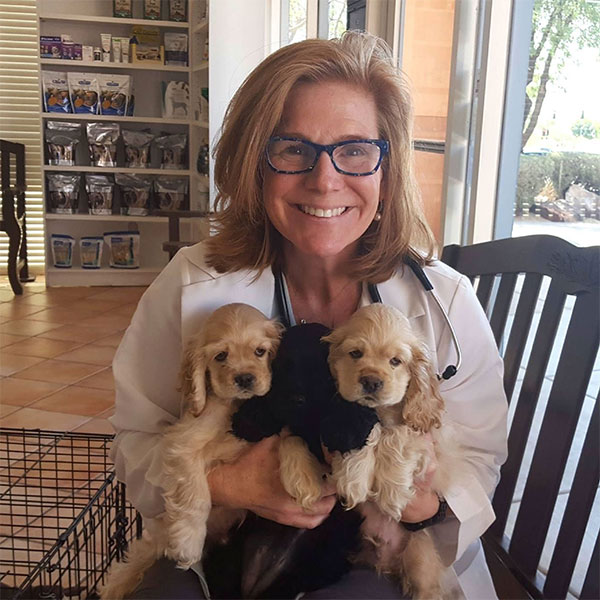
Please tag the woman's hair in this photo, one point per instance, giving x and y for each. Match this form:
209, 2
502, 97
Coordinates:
245, 236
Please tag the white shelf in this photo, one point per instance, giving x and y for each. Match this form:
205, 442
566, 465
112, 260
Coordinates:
116, 21
122, 218
58, 62
84, 117
201, 67
76, 276
203, 124
83, 169
200, 26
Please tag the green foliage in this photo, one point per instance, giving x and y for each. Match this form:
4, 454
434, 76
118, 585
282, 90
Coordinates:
586, 128
561, 168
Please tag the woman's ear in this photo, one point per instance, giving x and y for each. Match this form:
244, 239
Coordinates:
422, 406
193, 378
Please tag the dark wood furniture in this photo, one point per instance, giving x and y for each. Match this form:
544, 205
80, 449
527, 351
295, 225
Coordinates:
544, 420
12, 220
174, 242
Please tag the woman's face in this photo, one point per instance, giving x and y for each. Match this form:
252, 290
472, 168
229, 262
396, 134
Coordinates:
324, 113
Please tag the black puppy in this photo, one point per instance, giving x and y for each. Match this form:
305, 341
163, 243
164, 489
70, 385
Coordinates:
279, 561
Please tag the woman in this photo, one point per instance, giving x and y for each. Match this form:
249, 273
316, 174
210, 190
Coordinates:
315, 181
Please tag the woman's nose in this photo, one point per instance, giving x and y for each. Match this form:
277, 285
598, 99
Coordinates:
323, 176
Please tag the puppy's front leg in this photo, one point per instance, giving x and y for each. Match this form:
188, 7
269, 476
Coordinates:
353, 471
300, 471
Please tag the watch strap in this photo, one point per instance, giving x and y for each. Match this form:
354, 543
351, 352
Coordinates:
439, 516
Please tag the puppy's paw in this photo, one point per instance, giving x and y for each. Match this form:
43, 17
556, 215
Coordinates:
301, 472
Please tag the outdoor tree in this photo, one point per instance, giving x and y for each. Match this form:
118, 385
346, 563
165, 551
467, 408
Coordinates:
559, 27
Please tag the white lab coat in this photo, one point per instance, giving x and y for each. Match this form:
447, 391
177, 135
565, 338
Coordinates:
146, 367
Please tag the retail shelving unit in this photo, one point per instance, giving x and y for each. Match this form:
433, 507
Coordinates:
85, 20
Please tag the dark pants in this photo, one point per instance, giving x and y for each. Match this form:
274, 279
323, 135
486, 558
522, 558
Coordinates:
163, 581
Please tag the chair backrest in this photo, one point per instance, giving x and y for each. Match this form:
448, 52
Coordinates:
12, 177
541, 296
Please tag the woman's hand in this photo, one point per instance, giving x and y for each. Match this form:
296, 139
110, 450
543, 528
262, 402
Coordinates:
252, 482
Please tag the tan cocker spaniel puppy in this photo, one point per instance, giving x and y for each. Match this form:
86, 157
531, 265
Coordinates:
228, 361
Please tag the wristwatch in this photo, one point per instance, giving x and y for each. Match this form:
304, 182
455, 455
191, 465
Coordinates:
439, 516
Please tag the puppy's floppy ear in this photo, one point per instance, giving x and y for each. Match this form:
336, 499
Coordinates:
273, 331
422, 406
193, 378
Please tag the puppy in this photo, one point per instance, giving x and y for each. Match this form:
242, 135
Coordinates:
228, 362
378, 362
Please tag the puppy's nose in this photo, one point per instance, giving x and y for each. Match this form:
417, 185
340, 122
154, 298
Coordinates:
245, 380
370, 384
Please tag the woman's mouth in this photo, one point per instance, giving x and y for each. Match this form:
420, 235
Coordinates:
322, 213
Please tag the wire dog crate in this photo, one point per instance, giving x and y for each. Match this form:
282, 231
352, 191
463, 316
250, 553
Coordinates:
63, 516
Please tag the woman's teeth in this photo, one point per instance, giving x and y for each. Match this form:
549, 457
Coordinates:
319, 212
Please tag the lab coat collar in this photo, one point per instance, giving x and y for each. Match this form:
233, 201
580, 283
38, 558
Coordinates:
404, 292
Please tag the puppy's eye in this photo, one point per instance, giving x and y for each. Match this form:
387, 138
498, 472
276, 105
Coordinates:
395, 362
355, 353
221, 356
260, 352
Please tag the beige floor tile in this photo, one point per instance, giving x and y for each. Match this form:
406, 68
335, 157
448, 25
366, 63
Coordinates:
112, 340
107, 413
6, 295
27, 327
109, 322
14, 310
41, 300
99, 307
75, 333
103, 380
21, 392
76, 400
68, 294
96, 426
12, 363
43, 419
7, 409
63, 315
59, 371
42, 347
126, 310
92, 354
121, 294
6, 339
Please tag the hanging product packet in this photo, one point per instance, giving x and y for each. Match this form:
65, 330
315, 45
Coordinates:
56, 92
124, 249
137, 148
114, 93
62, 250
100, 190
63, 192
90, 251
62, 138
83, 88
172, 150
170, 193
176, 49
102, 140
135, 194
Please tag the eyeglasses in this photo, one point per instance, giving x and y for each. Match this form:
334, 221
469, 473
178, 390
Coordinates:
351, 157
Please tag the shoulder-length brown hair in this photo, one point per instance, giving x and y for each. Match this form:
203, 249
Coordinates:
245, 237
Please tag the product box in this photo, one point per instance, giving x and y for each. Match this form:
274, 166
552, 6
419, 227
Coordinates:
152, 9
176, 100
122, 8
50, 46
176, 49
145, 45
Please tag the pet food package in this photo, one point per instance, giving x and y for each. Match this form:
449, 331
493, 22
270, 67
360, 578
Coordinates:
50, 46
122, 8
56, 92
102, 141
146, 46
176, 99
176, 49
90, 251
63, 192
62, 250
135, 194
152, 9
100, 191
137, 148
170, 193
177, 10
114, 93
62, 138
173, 150
124, 249
83, 88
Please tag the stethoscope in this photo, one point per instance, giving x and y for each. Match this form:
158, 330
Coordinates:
286, 317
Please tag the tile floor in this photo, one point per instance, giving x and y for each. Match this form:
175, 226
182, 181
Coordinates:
56, 348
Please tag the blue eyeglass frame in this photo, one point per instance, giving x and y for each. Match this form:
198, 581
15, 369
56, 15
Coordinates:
383, 145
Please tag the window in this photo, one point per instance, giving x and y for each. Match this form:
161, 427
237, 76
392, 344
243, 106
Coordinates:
20, 113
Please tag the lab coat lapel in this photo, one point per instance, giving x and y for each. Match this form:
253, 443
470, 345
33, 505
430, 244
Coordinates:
200, 299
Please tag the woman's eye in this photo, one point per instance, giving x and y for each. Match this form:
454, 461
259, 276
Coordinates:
221, 356
295, 150
395, 361
260, 352
353, 150
355, 353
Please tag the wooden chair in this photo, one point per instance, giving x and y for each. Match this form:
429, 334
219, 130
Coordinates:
543, 422
12, 220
